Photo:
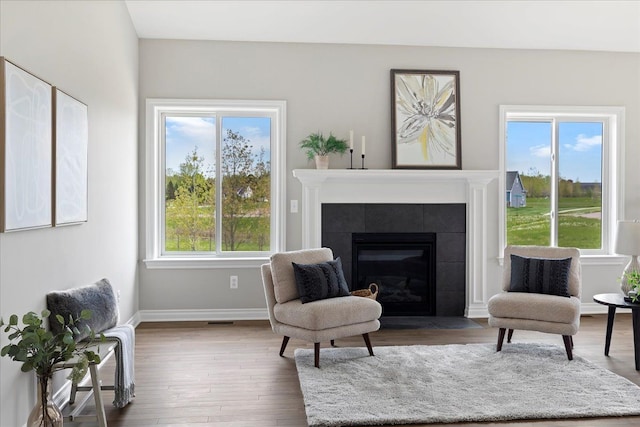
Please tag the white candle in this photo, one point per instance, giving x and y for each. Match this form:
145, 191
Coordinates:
363, 144
351, 139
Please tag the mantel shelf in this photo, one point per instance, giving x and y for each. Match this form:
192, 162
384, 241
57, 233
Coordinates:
308, 176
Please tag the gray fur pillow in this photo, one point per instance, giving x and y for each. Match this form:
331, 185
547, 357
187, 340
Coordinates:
99, 298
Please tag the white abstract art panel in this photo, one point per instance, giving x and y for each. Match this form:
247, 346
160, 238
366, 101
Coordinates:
71, 141
26, 150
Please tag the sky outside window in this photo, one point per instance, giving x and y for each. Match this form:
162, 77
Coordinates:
580, 145
183, 134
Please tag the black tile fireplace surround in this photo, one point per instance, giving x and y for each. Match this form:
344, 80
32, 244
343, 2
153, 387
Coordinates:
447, 222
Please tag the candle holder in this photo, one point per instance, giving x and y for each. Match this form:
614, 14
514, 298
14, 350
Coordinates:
351, 160
363, 163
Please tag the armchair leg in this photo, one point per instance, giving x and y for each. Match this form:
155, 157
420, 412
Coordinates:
567, 345
571, 338
333, 343
367, 341
509, 335
501, 333
285, 341
316, 354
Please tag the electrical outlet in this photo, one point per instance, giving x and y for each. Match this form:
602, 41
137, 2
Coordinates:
294, 206
233, 282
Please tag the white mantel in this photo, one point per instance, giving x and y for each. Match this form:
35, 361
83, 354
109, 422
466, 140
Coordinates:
406, 186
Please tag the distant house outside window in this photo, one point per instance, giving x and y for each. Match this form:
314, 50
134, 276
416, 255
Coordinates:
516, 193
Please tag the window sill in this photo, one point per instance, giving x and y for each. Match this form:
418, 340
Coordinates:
207, 263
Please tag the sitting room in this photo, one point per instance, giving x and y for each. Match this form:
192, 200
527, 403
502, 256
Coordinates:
468, 167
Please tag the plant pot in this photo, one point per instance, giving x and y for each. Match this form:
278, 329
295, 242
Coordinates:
45, 413
322, 162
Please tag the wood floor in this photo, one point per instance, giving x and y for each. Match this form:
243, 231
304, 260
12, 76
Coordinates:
223, 375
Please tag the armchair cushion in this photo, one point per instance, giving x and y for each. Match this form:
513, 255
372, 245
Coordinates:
540, 307
284, 281
327, 313
540, 275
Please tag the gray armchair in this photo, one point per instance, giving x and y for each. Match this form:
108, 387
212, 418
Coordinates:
316, 321
537, 311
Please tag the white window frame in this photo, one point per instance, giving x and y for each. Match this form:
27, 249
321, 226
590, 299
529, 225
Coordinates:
612, 165
155, 174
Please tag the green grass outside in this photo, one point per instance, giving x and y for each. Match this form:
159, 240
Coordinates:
525, 226
206, 240
531, 225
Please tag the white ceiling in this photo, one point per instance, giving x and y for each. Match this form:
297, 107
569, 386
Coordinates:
519, 24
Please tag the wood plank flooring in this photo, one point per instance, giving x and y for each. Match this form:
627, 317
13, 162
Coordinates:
230, 375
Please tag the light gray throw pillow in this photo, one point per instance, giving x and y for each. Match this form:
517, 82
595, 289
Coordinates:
98, 297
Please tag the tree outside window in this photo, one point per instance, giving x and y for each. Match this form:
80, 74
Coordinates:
217, 209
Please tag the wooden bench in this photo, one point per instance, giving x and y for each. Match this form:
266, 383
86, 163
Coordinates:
72, 408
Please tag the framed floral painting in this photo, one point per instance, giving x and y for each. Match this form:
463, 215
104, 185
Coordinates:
425, 119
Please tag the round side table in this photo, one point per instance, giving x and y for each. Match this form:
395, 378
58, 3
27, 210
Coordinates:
614, 301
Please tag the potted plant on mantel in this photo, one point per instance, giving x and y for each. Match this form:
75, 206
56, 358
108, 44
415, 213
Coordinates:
40, 350
319, 148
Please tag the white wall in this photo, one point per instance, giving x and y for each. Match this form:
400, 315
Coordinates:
341, 87
89, 50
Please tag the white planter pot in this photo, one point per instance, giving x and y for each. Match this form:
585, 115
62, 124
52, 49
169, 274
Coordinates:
322, 162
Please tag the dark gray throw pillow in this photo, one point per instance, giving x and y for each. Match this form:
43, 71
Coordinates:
316, 281
343, 286
540, 275
98, 297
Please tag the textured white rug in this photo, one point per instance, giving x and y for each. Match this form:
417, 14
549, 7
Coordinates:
455, 383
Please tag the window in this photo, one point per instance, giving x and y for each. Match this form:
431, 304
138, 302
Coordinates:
560, 176
215, 182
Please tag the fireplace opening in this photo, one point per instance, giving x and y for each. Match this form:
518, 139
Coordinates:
403, 265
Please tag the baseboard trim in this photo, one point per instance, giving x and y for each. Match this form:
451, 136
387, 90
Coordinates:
203, 315
593, 308
476, 312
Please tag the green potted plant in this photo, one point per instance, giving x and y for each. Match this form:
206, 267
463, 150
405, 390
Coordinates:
318, 148
633, 281
40, 350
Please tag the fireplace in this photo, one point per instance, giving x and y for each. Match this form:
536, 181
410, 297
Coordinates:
403, 265
411, 227
461, 278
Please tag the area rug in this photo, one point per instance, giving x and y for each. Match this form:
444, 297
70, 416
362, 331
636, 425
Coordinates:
457, 383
